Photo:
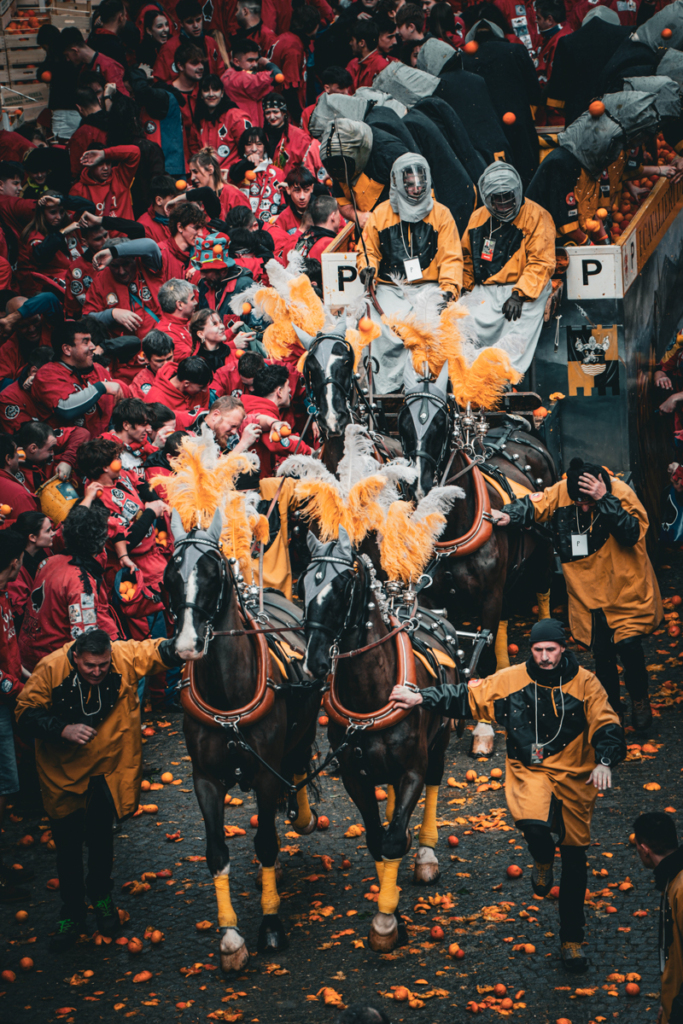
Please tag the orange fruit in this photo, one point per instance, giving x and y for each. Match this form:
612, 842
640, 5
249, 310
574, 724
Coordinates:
471, 775
541, 412
666, 33
676, 600
596, 108
601, 212
9, 976
592, 225
380, 794
323, 720
26, 963
250, 175
471, 47
472, 1007
323, 822
52, 883
217, 249
135, 945
436, 933
496, 773
21, 915
529, 947
253, 821
401, 994
632, 989
514, 871
46, 76
279, 78
239, 352
513, 649
346, 863
246, 308
453, 841
6, 510
142, 977
459, 954
499, 991
145, 785
181, 185
509, 117
365, 323
115, 465
167, 777
156, 937
453, 949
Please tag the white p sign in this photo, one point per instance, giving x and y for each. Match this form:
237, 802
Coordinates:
341, 284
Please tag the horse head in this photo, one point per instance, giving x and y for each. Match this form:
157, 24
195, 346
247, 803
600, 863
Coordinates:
198, 582
328, 370
424, 425
334, 599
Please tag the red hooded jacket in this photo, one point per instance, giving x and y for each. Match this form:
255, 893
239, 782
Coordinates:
186, 409
112, 198
11, 679
57, 382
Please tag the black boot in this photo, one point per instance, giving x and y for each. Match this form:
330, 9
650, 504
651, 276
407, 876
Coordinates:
69, 927
573, 959
641, 714
107, 915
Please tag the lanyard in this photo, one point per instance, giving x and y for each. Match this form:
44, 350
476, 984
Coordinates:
581, 532
134, 298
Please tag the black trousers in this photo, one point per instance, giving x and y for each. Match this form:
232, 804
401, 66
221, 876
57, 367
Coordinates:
630, 653
94, 827
572, 883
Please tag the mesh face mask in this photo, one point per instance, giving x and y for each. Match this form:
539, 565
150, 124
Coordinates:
414, 184
410, 191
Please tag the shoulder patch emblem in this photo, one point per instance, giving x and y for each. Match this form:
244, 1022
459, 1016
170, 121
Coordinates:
536, 496
77, 272
11, 412
112, 299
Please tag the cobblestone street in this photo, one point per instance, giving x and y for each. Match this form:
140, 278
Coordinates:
326, 909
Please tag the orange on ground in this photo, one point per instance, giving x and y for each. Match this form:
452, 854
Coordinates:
514, 871
453, 841
253, 821
21, 915
167, 777
323, 822
26, 963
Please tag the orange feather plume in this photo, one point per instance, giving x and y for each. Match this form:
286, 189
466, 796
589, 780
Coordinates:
407, 545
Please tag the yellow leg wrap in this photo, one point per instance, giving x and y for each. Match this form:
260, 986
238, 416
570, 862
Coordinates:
543, 605
391, 803
429, 834
379, 864
501, 647
304, 816
270, 901
227, 918
388, 893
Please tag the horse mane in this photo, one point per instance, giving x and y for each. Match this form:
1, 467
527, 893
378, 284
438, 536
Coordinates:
203, 480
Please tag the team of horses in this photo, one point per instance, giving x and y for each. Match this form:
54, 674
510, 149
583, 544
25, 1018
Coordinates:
251, 721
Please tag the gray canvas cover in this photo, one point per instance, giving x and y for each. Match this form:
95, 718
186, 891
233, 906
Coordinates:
434, 55
408, 85
635, 112
333, 105
651, 32
666, 92
594, 141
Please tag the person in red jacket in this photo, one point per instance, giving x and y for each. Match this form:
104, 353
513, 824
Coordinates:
106, 178
93, 127
218, 122
48, 451
77, 51
326, 222
16, 405
288, 146
189, 14
367, 61
271, 398
38, 534
178, 301
185, 222
157, 349
47, 246
190, 65
28, 323
298, 190
291, 54
155, 219
256, 176
69, 595
130, 431
244, 84
13, 487
73, 390
550, 17
123, 294
11, 684
205, 172
184, 389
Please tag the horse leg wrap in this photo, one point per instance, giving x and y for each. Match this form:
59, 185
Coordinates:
429, 834
391, 802
501, 647
543, 605
388, 893
227, 918
303, 818
379, 865
270, 901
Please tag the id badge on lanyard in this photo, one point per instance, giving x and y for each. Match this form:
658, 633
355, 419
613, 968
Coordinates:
487, 249
413, 270
536, 753
579, 545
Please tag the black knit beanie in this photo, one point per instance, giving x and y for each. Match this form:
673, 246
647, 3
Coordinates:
548, 631
577, 467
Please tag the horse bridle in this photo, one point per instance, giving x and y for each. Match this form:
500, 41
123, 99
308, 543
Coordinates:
427, 397
349, 392
349, 593
213, 548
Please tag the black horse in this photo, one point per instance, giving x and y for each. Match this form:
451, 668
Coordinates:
346, 612
476, 581
241, 725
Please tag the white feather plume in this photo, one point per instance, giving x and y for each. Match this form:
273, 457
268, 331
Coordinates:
279, 278
305, 467
296, 264
428, 304
358, 461
439, 499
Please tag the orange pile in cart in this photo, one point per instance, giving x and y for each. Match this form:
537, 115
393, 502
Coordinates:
624, 211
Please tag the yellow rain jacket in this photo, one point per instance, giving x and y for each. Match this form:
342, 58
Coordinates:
434, 240
65, 769
523, 255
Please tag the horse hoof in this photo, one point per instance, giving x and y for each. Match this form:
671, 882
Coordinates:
278, 875
311, 827
426, 867
235, 960
383, 936
483, 743
271, 935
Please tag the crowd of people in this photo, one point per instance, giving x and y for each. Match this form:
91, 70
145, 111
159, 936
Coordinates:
181, 150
